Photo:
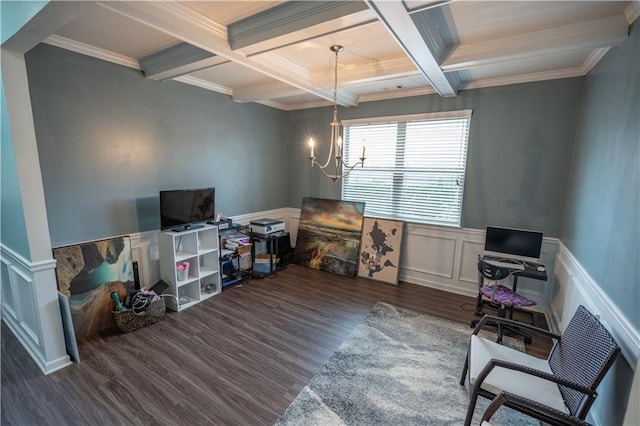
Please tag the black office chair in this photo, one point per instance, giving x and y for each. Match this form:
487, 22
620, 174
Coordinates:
489, 287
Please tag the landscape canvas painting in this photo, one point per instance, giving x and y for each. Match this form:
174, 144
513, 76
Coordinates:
329, 235
380, 249
87, 273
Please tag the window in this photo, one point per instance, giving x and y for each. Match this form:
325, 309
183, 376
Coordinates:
415, 166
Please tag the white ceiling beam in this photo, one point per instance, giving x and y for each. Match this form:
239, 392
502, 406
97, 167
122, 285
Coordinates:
593, 34
359, 19
181, 22
53, 16
177, 60
396, 19
287, 18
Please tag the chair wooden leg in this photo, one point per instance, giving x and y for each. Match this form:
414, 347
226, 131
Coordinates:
472, 406
463, 378
493, 407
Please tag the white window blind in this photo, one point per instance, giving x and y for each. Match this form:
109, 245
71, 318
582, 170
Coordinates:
414, 169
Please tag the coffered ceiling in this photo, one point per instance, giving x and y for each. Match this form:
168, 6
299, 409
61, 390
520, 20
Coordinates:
277, 52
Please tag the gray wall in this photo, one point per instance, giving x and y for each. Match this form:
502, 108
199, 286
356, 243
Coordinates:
109, 140
601, 224
520, 144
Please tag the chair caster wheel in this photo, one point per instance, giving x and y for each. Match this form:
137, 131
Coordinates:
528, 340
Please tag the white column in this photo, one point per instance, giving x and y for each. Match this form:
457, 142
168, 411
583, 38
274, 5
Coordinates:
45, 335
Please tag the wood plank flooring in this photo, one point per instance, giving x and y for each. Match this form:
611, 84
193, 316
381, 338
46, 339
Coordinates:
239, 358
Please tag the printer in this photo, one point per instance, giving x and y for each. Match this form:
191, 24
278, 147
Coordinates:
265, 227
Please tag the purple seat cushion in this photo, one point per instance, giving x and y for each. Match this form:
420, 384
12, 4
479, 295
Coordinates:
505, 296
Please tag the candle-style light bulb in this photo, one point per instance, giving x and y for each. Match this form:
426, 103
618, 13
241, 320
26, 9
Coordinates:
363, 150
311, 144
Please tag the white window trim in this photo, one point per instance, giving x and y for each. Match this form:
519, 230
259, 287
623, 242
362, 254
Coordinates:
464, 113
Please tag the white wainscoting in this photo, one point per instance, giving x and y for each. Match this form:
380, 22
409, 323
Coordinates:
446, 258
573, 286
30, 309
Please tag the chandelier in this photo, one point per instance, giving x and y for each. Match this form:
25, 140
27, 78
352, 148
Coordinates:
336, 137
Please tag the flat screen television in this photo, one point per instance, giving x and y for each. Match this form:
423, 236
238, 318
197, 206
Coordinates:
513, 242
185, 209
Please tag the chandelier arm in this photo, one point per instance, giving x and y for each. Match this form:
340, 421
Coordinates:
350, 168
333, 177
328, 158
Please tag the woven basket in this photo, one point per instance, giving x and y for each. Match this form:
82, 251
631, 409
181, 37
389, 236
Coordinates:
127, 321
243, 249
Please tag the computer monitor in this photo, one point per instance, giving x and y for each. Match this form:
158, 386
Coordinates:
514, 243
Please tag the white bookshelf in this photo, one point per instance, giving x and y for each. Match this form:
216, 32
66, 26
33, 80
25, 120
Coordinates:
200, 248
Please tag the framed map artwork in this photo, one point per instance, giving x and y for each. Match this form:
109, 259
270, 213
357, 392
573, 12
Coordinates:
380, 249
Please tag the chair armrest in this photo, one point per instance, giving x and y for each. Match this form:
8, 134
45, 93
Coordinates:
493, 362
509, 399
514, 323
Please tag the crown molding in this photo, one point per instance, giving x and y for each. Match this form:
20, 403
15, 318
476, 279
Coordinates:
593, 59
524, 78
632, 11
96, 52
276, 105
194, 81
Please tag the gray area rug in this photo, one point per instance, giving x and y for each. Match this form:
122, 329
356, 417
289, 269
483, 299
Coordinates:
398, 367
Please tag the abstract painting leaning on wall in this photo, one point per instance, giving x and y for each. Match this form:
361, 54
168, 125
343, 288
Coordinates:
87, 273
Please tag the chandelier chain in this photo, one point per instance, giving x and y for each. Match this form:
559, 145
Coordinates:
336, 144
335, 86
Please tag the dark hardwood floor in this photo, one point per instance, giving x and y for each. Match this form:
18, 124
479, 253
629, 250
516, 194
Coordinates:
239, 358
